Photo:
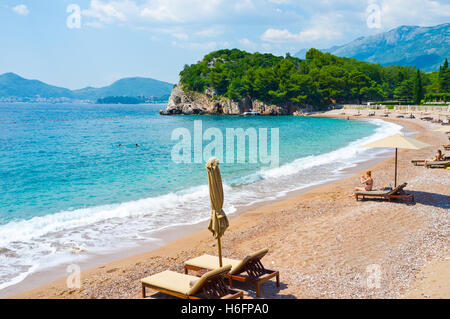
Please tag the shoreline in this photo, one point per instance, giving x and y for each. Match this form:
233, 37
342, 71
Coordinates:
178, 246
160, 237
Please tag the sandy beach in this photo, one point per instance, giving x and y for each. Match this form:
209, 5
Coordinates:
323, 242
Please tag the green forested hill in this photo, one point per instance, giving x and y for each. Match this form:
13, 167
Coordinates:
320, 79
13, 85
136, 86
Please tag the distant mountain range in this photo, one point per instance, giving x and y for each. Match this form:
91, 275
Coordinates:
423, 47
13, 85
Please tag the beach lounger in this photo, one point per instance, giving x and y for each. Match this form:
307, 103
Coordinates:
418, 162
446, 147
256, 273
438, 164
421, 162
210, 286
396, 193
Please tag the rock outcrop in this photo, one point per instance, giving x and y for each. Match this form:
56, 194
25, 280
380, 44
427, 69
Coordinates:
188, 102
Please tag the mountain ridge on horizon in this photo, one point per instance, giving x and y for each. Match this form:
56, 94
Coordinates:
14, 85
423, 47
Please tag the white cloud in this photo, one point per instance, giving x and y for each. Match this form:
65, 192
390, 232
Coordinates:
279, 24
413, 12
311, 34
21, 9
248, 44
279, 36
160, 13
328, 22
243, 5
211, 32
245, 42
176, 11
179, 33
204, 46
155, 11
393, 12
109, 11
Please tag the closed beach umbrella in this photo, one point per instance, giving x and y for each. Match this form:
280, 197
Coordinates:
219, 221
397, 141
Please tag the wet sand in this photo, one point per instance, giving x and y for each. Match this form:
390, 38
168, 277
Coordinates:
323, 242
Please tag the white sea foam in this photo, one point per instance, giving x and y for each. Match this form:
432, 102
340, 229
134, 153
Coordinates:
349, 154
69, 235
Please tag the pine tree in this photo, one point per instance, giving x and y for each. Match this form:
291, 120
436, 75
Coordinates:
418, 92
444, 78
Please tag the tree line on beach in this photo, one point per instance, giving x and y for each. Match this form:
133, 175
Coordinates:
319, 80
131, 99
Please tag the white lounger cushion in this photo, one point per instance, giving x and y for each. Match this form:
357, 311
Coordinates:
212, 262
172, 281
181, 283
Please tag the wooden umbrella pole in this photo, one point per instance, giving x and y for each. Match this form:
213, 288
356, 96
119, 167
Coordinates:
220, 252
395, 181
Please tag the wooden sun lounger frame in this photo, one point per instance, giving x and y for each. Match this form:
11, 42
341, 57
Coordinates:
394, 194
438, 164
214, 288
418, 162
421, 162
256, 273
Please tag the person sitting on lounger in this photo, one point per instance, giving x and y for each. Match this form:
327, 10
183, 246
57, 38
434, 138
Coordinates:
367, 181
437, 158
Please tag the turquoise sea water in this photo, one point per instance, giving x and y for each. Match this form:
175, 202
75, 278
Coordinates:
66, 186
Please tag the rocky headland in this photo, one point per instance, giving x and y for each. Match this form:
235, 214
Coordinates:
188, 102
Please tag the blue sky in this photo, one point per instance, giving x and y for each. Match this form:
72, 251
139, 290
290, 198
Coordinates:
155, 38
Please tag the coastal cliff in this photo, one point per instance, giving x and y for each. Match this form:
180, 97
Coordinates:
190, 102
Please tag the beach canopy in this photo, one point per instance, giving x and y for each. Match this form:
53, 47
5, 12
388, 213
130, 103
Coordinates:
444, 129
397, 141
219, 221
